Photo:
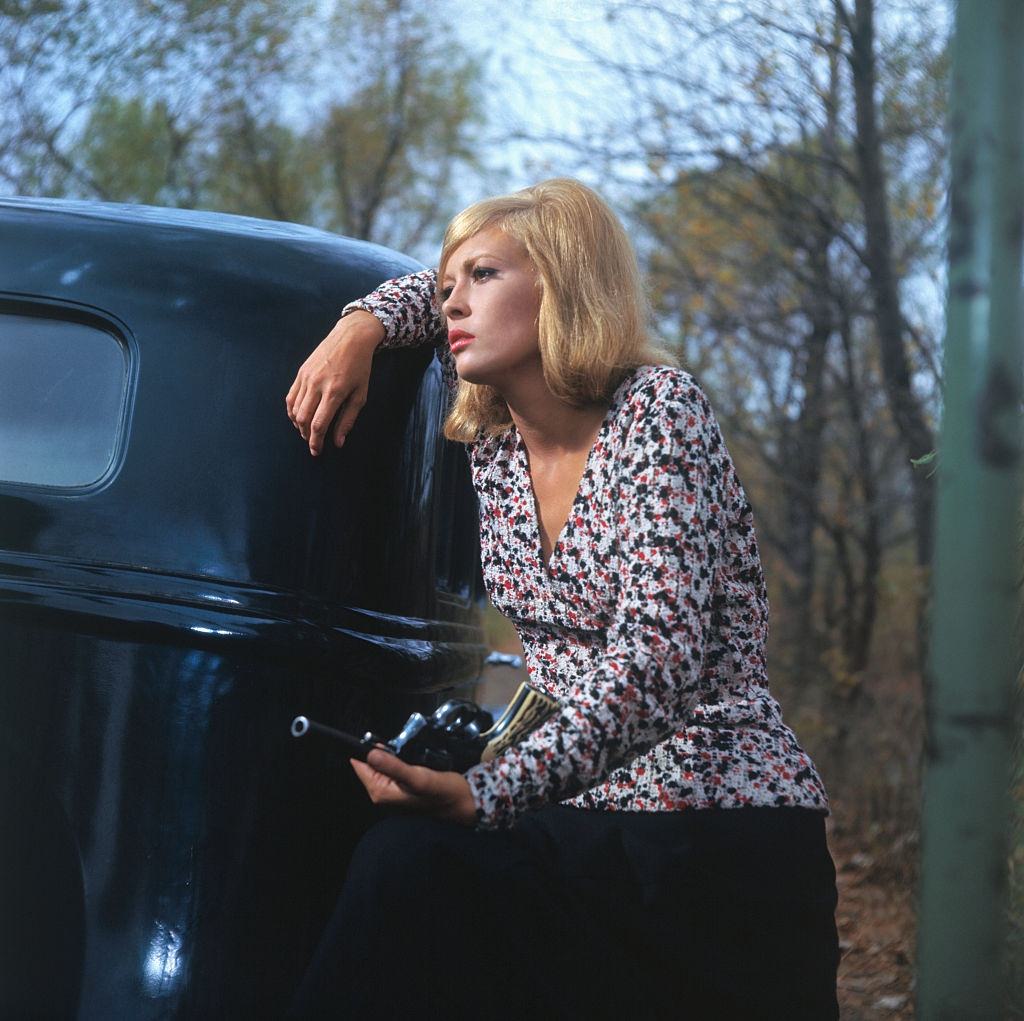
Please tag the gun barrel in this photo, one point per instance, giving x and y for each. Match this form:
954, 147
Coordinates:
358, 747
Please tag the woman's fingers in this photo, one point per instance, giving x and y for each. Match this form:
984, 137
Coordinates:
289, 398
323, 408
390, 781
386, 790
347, 416
379, 786
300, 400
415, 780
298, 391
335, 376
343, 402
306, 410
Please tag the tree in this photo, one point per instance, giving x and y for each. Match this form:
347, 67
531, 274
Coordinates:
244, 106
81, 75
790, 119
880, 259
788, 192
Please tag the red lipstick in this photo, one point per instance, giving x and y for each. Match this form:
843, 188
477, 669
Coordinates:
459, 339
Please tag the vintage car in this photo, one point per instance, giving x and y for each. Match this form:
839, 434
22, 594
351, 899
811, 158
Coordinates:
178, 579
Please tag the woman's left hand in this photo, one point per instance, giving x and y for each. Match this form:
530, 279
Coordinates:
390, 781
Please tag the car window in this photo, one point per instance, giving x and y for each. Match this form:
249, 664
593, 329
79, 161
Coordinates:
62, 394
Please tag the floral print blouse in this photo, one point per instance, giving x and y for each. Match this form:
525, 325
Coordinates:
648, 622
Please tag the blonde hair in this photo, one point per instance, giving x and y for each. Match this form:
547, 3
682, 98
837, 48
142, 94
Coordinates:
592, 308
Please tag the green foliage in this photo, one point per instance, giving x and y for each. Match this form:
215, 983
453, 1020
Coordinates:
931, 458
261, 168
22, 10
394, 145
358, 117
126, 149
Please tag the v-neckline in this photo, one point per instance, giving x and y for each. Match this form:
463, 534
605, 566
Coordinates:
533, 509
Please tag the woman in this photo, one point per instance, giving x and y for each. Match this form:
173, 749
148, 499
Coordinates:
657, 847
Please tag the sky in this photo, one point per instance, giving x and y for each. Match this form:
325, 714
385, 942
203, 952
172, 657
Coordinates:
541, 81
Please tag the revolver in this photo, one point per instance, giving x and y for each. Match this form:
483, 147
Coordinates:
456, 736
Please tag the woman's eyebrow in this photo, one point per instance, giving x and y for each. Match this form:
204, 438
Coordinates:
467, 262
477, 256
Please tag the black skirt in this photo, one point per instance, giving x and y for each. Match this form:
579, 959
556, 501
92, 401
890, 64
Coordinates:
705, 914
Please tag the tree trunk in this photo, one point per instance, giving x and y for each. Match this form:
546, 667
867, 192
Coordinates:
913, 428
801, 479
861, 613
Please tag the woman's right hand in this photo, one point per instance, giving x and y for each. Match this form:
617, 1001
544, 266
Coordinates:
335, 376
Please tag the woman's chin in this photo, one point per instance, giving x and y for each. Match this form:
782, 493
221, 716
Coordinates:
473, 374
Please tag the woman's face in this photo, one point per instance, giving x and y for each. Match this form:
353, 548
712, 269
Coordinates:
491, 300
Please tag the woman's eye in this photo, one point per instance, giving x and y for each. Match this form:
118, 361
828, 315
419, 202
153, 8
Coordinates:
480, 272
446, 293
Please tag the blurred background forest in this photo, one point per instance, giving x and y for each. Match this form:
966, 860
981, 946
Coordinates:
783, 171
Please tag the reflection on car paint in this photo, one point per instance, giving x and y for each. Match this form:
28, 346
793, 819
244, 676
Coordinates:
174, 854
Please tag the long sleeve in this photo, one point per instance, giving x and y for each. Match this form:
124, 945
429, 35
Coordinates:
648, 677
407, 310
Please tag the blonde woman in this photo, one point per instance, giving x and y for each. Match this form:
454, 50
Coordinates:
657, 847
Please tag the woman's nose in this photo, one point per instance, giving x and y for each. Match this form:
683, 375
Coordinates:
454, 306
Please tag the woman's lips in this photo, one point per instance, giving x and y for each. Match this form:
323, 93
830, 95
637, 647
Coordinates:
459, 339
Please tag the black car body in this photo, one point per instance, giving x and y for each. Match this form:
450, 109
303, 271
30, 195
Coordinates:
179, 579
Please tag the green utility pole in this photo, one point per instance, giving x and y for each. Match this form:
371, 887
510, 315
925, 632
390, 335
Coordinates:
977, 559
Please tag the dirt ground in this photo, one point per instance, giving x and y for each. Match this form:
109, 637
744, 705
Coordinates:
877, 932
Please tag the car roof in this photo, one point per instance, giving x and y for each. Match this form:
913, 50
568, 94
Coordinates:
164, 216
214, 314
89, 252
